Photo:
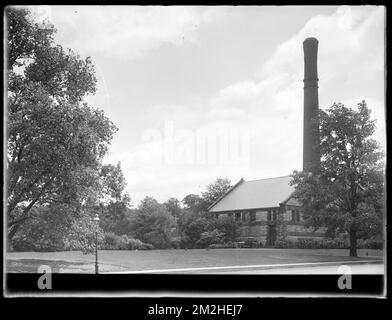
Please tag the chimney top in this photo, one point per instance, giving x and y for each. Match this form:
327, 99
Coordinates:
310, 49
310, 39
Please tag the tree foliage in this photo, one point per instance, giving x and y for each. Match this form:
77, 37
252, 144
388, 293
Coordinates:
348, 193
210, 237
115, 216
216, 190
56, 228
55, 141
152, 223
193, 226
173, 205
229, 227
24, 38
195, 203
197, 223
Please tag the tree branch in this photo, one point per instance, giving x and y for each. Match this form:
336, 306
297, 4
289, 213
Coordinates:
25, 214
14, 202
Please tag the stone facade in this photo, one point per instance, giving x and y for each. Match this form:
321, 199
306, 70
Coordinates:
271, 224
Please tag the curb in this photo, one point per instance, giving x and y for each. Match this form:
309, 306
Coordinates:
262, 267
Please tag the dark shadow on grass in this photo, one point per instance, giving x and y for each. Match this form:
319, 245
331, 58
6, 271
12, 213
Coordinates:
32, 265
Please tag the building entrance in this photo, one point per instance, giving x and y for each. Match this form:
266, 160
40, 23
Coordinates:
271, 235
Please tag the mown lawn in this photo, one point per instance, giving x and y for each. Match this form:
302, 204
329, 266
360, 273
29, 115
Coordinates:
124, 260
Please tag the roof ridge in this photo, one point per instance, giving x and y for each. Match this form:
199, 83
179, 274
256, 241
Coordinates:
267, 178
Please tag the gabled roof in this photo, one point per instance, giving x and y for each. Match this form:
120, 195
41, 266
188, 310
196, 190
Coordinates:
255, 194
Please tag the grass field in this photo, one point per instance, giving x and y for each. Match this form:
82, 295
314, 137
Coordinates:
123, 261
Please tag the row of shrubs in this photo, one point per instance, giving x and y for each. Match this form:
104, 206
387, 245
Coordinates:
370, 244
247, 243
308, 243
302, 243
112, 241
305, 243
222, 245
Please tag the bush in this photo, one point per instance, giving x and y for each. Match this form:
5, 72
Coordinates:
177, 242
210, 237
229, 227
123, 242
146, 246
224, 245
194, 227
251, 243
112, 241
55, 229
309, 243
370, 244
284, 244
134, 244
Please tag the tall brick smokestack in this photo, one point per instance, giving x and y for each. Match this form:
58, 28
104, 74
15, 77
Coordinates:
311, 142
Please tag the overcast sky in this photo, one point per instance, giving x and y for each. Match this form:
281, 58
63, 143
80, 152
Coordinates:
202, 92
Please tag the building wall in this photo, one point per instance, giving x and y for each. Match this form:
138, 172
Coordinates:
258, 232
245, 216
287, 219
293, 225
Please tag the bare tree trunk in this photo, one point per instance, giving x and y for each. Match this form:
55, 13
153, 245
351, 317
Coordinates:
353, 242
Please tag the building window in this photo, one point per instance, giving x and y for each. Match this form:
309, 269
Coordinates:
269, 215
243, 216
295, 216
237, 216
275, 215
252, 216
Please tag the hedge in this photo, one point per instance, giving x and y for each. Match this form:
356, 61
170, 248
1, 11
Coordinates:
246, 243
224, 245
309, 243
112, 241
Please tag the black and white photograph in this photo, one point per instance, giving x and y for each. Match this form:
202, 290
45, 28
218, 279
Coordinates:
209, 143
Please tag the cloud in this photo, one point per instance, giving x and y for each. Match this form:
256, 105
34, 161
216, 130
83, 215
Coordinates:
270, 106
351, 68
127, 32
